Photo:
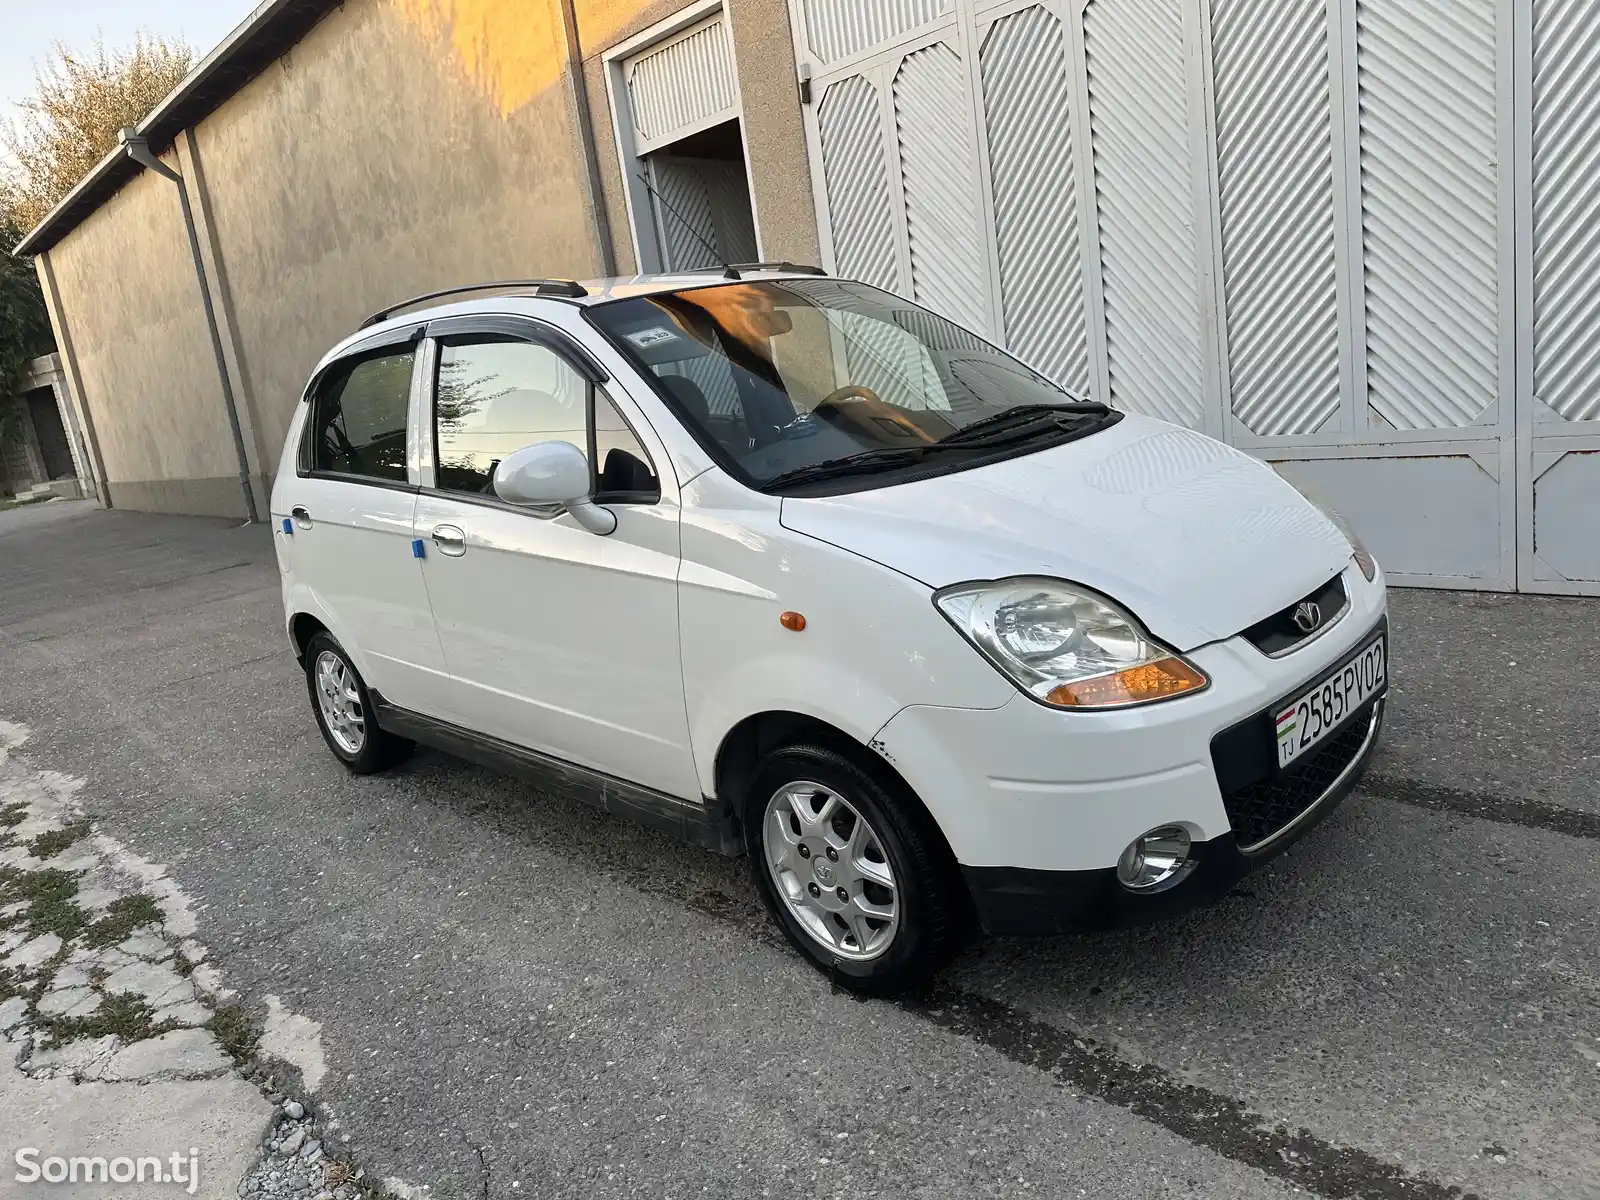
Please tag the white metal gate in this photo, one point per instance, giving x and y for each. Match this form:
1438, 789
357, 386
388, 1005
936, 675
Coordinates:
1358, 238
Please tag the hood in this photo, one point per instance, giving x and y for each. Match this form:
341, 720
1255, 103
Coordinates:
1196, 539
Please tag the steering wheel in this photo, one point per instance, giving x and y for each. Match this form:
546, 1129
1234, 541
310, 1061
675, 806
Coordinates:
848, 391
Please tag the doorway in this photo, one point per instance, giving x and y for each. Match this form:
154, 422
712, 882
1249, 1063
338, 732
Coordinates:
676, 110
52, 435
700, 200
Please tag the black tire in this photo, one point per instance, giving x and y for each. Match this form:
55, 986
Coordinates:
931, 903
378, 750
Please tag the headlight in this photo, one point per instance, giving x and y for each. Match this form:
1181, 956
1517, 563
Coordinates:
1065, 645
1363, 556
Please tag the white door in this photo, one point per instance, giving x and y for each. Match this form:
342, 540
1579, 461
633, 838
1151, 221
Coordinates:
352, 520
556, 639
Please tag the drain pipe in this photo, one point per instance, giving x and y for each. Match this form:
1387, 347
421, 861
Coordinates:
599, 220
138, 149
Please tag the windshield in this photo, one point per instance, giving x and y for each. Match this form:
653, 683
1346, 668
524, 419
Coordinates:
800, 379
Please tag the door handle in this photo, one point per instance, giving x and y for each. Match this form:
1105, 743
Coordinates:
451, 540
301, 515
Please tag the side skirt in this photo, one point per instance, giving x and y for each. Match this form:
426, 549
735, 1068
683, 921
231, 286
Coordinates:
709, 824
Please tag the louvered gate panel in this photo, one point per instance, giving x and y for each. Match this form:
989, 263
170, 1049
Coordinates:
948, 269
857, 183
682, 86
1025, 89
1275, 167
1566, 207
1144, 186
1563, 458
682, 208
1429, 210
838, 28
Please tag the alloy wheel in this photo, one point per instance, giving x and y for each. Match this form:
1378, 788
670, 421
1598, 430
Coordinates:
340, 702
831, 871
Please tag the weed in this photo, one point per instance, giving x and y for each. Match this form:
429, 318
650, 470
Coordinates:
49, 896
237, 1031
125, 1014
12, 815
123, 916
54, 841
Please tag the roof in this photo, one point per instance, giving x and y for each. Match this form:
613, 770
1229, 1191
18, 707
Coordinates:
592, 291
259, 40
523, 299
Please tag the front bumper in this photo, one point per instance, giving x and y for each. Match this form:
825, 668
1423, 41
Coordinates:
1020, 902
1037, 804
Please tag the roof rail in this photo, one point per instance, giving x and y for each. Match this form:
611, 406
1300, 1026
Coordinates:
541, 287
732, 270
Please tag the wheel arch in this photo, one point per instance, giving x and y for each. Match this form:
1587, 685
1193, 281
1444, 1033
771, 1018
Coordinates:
303, 626
744, 746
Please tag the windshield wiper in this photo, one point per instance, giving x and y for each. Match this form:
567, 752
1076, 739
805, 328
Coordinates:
863, 463
1018, 418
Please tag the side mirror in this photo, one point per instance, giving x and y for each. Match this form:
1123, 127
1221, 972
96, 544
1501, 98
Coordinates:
552, 473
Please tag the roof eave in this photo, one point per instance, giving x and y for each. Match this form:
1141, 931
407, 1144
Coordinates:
246, 51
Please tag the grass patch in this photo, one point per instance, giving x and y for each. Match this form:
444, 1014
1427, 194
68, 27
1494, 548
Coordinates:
236, 1031
12, 815
125, 914
54, 841
124, 1014
49, 896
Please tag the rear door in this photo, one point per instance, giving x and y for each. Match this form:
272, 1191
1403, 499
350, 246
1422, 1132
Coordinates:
353, 509
556, 639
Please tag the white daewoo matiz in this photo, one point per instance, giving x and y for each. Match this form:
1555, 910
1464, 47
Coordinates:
791, 567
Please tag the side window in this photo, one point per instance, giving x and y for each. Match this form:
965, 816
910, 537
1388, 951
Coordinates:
497, 395
625, 474
359, 422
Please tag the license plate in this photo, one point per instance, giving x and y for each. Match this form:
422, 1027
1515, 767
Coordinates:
1301, 725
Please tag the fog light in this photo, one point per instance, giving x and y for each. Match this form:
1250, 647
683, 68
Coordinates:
1156, 861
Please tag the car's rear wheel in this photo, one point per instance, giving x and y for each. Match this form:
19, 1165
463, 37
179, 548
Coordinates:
344, 711
854, 873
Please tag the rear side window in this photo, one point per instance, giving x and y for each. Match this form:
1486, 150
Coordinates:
497, 395
359, 422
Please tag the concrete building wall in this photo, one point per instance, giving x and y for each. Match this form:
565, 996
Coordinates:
385, 156
144, 358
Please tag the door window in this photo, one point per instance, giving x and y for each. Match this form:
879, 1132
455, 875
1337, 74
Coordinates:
359, 423
498, 395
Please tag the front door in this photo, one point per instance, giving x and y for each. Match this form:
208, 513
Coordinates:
556, 639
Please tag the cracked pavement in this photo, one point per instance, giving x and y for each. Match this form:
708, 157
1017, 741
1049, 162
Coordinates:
520, 996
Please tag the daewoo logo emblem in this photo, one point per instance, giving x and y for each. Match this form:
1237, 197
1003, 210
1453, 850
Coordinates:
1308, 616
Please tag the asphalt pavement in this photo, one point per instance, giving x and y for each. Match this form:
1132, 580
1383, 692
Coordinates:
520, 997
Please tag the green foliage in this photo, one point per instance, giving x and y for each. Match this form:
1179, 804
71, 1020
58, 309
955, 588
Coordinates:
123, 916
54, 841
24, 323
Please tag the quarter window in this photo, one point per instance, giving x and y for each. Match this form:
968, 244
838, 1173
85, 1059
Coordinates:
359, 423
496, 396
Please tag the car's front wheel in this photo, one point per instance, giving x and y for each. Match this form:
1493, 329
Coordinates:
344, 711
854, 873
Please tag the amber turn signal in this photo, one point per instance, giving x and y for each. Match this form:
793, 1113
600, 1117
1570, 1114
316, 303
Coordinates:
1159, 680
792, 621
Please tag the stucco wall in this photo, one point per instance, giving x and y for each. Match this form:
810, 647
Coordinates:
144, 356
389, 154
